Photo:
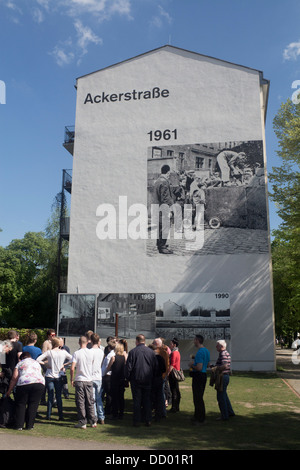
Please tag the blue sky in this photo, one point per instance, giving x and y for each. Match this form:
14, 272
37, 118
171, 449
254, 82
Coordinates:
47, 44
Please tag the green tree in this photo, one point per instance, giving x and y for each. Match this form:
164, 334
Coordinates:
285, 181
22, 280
29, 276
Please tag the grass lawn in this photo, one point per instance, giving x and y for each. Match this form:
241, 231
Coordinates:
267, 417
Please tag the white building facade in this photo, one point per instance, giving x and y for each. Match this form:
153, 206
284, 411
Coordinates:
174, 107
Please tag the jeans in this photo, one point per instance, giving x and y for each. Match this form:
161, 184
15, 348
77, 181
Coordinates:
198, 387
106, 384
176, 395
158, 398
98, 390
51, 385
141, 394
223, 400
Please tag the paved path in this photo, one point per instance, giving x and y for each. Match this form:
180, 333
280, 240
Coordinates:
290, 373
225, 240
290, 363
20, 440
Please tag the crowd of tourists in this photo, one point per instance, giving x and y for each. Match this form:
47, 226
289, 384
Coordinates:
31, 376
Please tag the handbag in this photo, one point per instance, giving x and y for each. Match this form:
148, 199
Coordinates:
178, 375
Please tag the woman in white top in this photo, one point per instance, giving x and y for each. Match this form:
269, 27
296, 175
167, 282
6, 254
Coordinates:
56, 358
30, 383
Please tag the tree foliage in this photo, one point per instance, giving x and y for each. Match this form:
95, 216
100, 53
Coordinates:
29, 277
286, 244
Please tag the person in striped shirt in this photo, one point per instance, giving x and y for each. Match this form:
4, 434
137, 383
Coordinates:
224, 365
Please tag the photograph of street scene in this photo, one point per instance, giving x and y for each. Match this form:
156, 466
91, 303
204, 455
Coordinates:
76, 314
131, 313
217, 189
166, 315
186, 314
107, 314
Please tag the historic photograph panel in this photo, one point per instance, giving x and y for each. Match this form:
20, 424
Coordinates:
184, 315
76, 314
207, 199
127, 314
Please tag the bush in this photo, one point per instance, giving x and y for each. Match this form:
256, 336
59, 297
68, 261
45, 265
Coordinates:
23, 333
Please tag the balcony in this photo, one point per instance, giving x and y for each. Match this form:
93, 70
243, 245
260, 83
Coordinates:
67, 180
65, 227
69, 139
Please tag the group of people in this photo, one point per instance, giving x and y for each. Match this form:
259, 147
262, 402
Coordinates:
172, 192
100, 376
219, 377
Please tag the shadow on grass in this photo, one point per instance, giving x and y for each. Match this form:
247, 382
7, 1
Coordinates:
274, 429
267, 418
261, 431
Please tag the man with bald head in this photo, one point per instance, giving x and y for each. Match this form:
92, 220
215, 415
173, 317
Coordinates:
140, 370
83, 363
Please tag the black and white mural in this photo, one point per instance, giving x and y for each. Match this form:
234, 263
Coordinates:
76, 314
155, 315
213, 198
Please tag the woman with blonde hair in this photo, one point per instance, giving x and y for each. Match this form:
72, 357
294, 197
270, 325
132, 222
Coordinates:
125, 344
117, 367
56, 361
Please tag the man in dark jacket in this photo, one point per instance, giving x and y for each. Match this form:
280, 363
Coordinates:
140, 370
162, 196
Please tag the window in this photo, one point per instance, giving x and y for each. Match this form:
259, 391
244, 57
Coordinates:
199, 163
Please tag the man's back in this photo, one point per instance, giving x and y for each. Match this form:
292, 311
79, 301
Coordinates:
83, 359
34, 351
141, 364
162, 192
12, 357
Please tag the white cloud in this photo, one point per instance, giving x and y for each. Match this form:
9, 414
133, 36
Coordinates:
66, 52
123, 7
85, 36
14, 10
38, 15
12, 6
164, 14
162, 17
63, 53
101, 9
292, 51
44, 3
93, 11
62, 57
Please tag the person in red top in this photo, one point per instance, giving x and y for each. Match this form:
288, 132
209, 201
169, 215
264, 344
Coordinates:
174, 384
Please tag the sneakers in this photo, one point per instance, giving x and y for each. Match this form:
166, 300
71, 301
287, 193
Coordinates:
83, 426
80, 426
